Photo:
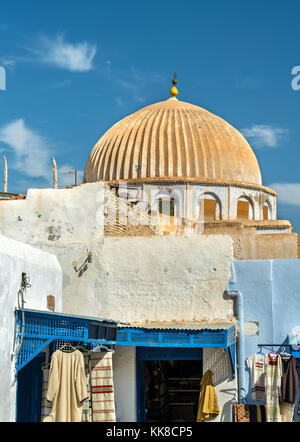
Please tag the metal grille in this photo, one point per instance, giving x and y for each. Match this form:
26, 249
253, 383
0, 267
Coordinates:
46, 326
172, 338
212, 339
175, 338
42, 329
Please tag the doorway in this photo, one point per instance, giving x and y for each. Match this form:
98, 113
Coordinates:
168, 384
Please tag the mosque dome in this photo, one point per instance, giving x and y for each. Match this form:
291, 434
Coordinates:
173, 141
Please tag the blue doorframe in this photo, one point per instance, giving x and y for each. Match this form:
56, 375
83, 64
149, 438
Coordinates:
157, 354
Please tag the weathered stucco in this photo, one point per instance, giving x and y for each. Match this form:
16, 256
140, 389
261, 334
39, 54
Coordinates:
46, 279
128, 279
166, 278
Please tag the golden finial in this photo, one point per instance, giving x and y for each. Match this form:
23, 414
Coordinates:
174, 90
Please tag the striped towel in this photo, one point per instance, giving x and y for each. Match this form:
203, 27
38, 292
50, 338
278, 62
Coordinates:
87, 404
46, 413
102, 389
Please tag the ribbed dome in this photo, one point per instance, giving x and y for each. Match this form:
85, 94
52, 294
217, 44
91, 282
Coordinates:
173, 141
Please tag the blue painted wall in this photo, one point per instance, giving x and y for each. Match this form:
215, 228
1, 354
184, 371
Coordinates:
271, 292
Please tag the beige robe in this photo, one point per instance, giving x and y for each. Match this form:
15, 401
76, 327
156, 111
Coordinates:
67, 386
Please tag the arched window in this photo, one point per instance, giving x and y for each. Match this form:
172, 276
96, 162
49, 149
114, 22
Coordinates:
210, 207
267, 211
245, 208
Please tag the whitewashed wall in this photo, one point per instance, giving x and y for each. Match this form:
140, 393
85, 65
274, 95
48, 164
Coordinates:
124, 375
45, 276
128, 279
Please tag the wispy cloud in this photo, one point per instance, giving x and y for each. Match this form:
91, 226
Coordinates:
31, 156
263, 135
74, 57
31, 150
288, 193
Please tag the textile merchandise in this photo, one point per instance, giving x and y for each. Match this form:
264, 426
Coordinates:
208, 400
87, 404
273, 373
290, 383
256, 366
67, 386
102, 388
248, 413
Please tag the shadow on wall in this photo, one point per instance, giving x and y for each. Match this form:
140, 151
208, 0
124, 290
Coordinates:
226, 410
220, 365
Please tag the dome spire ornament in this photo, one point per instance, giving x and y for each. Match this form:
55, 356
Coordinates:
173, 90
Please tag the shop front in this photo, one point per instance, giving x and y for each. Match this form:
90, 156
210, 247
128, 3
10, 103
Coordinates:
169, 362
170, 366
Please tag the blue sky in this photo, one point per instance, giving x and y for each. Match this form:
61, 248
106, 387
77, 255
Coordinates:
75, 68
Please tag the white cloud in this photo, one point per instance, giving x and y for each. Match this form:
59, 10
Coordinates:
261, 135
288, 193
31, 150
58, 52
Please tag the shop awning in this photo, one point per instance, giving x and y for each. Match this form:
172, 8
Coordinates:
184, 335
39, 329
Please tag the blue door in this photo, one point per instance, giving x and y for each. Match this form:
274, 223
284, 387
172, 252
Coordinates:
29, 392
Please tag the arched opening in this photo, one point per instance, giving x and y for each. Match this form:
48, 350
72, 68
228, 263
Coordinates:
267, 210
245, 208
210, 207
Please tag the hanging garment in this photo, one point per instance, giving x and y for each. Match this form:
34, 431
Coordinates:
290, 383
67, 386
87, 404
102, 388
46, 412
256, 366
208, 401
273, 373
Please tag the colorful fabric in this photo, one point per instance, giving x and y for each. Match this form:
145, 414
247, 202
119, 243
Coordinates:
46, 412
208, 401
240, 413
258, 413
87, 404
102, 388
273, 373
256, 366
67, 386
248, 413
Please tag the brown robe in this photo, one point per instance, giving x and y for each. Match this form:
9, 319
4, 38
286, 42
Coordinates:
289, 382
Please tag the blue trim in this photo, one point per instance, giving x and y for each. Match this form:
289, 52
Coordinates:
42, 328
231, 354
175, 338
